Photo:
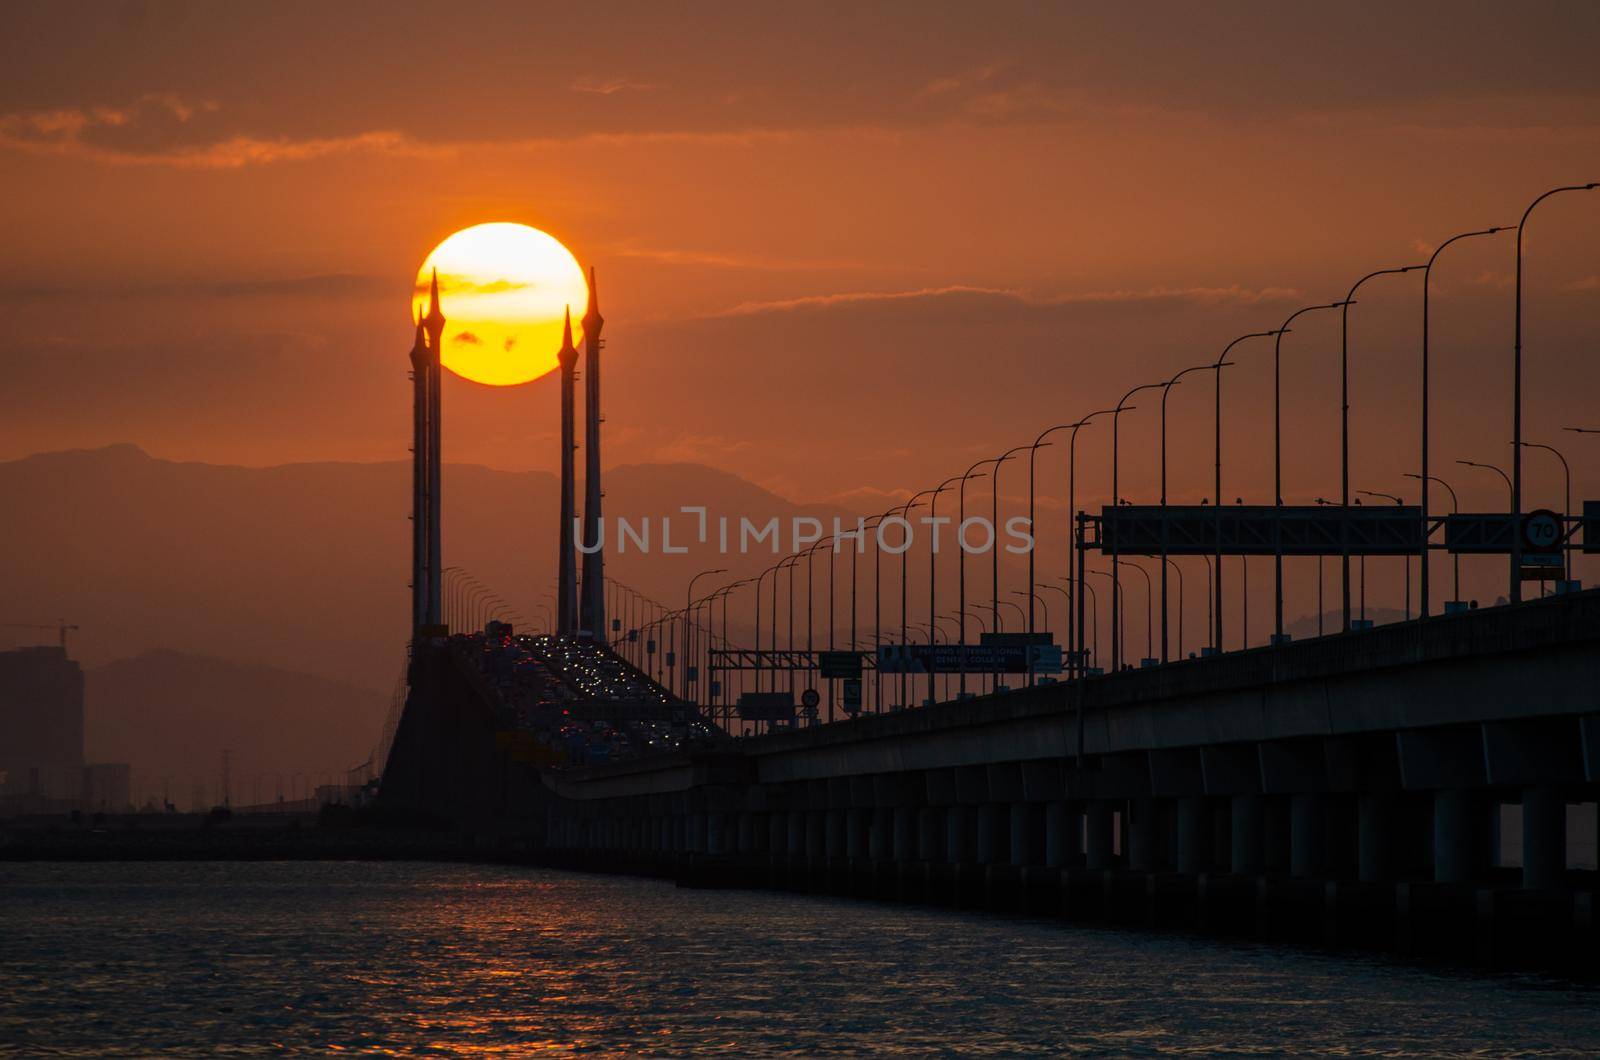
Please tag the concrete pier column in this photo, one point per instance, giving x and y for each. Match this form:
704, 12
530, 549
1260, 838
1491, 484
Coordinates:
778, 833
697, 833
716, 833
1544, 836
1143, 836
815, 845
1452, 836
834, 834
994, 833
931, 833
857, 824
961, 833
1194, 835
1372, 839
1244, 836
797, 830
1099, 852
881, 844
1307, 827
903, 843
1276, 829
1060, 835
747, 833
1022, 844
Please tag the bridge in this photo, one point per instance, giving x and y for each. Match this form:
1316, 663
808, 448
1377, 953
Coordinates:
1429, 785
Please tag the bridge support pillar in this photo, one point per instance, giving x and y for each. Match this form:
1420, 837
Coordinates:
1099, 845
858, 833
1144, 836
903, 846
881, 845
815, 846
1372, 840
994, 833
1059, 835
1245, 835
698, 827
1194, 835
1024, 829
747, 832
834, 833
1307, 827
1544, 829
778, 834
931, 834
961, 833
1452, 836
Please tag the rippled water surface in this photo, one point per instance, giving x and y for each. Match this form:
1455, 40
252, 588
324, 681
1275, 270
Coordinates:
406, 957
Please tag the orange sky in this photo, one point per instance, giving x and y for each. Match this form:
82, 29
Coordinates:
842, 251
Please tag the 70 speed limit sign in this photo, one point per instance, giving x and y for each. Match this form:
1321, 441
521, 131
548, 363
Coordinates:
1541, 530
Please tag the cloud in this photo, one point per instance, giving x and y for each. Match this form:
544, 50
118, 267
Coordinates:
597, 87
698, 448
328, 285
462, 285
510, 343
160, 129
467, 337
1586, 283
1234, 295
713, 259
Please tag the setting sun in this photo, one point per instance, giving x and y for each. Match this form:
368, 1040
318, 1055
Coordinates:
504, 289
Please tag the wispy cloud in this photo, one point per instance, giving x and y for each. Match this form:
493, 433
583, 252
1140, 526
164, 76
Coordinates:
1234, 295
598, 87
698, 448
714, 259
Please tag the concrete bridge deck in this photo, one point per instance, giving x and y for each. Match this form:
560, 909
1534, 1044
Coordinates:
1428, 785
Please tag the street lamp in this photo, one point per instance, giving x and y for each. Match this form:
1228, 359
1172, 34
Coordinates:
1277, 461
1166, 389
1075, 610
1398, 502
1149, 600
961, 568
1516, 391
1566, 506
1511, 488
933, 554
1221, 363
994, 537
1116, 502
1425, 478
1344, 429
1167, 561
1455, 509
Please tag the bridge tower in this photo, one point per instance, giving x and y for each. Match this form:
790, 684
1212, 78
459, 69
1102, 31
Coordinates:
419, 479
567, 590
433, 323
593, 612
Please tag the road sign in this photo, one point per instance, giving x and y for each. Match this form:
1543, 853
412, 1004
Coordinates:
650, 646
809, 699
1046, 658
616, 625
852, 695
691, 674
832, 664
1591, 526
1541, 530
952, 658
766, 706
672, 658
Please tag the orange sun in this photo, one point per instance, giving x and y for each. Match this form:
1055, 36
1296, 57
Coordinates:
504, 289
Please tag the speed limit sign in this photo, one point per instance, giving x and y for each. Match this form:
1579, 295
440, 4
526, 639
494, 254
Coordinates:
1541, 530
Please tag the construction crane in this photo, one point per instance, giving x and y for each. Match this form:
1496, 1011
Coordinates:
61, 626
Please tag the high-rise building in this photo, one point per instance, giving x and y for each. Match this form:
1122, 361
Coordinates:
41, 726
